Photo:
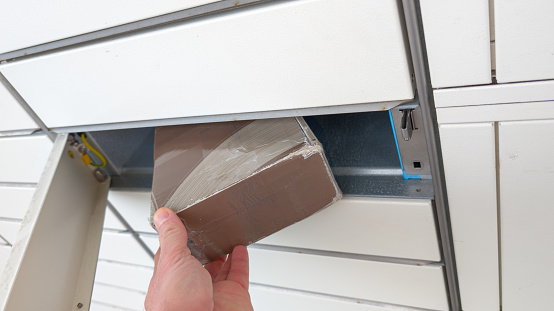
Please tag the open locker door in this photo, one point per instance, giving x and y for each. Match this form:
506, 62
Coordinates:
53, 261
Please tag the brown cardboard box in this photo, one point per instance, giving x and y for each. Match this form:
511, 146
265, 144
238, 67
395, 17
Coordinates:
235, 183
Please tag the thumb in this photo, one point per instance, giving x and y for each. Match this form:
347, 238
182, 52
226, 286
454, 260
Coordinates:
173, 234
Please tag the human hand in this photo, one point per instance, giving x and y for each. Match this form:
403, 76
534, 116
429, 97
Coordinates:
180, 282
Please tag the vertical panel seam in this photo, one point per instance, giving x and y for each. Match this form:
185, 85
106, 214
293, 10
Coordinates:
492, 41
498, 209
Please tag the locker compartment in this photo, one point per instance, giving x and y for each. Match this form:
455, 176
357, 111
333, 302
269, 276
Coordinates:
391, 216
254, 63
361, 149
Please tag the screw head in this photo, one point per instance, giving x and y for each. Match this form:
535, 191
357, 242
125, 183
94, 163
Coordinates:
82, 149
100, 176
79, 305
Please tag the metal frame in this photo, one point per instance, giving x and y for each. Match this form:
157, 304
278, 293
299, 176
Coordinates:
414, 149
414, 25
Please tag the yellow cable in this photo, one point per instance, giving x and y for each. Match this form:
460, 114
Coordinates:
94, 150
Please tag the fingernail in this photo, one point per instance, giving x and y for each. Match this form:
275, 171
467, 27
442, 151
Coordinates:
161, 216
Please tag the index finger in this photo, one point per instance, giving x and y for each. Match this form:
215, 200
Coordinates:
239, 266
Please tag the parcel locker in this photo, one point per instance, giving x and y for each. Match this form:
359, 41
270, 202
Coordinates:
241, 61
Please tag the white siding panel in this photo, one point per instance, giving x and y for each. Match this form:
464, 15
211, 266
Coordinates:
119, 297
123, 248
9, 230
98, 306
524, 40
267, 299
36, 22
111, 222
382, 227
15, 201
4, 254
527, 214
151, 241
375, 221
134, 206
419, 286
457, 37
495, 94
486, 113
23, 157
470, 171
131, 277
306, 54
12, 116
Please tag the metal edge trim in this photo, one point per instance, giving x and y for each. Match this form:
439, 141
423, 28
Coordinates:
414, 25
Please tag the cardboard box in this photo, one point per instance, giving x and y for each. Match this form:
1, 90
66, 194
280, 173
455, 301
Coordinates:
237, 182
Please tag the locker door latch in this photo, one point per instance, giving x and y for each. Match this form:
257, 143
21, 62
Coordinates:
407, 124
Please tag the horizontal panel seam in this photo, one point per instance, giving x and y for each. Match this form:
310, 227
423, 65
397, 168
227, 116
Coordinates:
9, 219
497, 104
335, 297
489, 84
142, 292
355, 256
18, 184
123, 263
113, 306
